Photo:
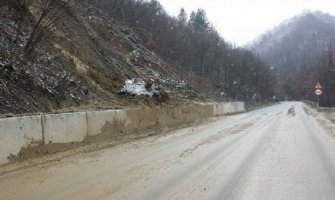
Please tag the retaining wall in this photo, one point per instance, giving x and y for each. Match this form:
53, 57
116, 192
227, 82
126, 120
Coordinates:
18, 132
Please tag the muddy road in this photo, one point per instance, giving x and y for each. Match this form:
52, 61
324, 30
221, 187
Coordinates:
278, 152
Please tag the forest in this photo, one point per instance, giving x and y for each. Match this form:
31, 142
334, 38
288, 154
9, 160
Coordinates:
301, 50
303, 83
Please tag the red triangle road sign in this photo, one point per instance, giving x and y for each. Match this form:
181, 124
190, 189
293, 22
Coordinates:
318, 86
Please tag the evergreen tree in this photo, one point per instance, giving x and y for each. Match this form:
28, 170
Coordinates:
182, 17
199, 21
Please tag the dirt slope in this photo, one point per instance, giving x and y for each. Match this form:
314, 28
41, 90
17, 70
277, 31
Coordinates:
81, 63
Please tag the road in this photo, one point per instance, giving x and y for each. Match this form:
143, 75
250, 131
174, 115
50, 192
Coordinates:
275, 153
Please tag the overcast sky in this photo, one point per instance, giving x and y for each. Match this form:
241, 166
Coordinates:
241, 21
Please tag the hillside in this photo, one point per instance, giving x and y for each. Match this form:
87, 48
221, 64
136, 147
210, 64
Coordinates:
301, 52
71, 55
84, 62
297, 43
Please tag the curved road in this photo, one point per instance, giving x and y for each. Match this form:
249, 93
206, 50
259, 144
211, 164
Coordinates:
275, 153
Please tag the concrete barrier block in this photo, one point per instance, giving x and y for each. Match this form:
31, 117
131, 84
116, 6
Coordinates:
18, 132
208, 110
64, 128
198, 115
169, 116
148, 117
191, 113
186, 113
228, 108
218, 109
133, 119
240, 107
106, 122
177, 116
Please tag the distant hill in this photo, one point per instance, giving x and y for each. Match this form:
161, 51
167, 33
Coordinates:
298, 42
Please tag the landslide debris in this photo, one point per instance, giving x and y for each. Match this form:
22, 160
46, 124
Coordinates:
81, 62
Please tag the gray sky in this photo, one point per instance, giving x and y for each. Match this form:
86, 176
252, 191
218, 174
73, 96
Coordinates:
241, 21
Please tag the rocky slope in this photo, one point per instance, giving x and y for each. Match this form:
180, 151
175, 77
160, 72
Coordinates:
81, 62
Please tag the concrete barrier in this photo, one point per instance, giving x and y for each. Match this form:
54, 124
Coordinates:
208, 110
106, 122
218, 110
228, 108
148, 117
64, 128
133, 120
18, 132
240, 107
167, 116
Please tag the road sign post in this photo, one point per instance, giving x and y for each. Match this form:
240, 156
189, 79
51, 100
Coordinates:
318, 101
318, 91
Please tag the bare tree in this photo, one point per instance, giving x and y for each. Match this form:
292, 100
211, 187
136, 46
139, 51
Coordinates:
21, 10
47, 13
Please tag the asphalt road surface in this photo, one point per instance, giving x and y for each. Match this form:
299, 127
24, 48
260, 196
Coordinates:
275, 153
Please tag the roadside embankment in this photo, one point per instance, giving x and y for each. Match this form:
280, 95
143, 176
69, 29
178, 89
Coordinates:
325, 117
18, 134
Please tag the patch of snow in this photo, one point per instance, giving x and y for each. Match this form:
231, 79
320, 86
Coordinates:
137, 87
